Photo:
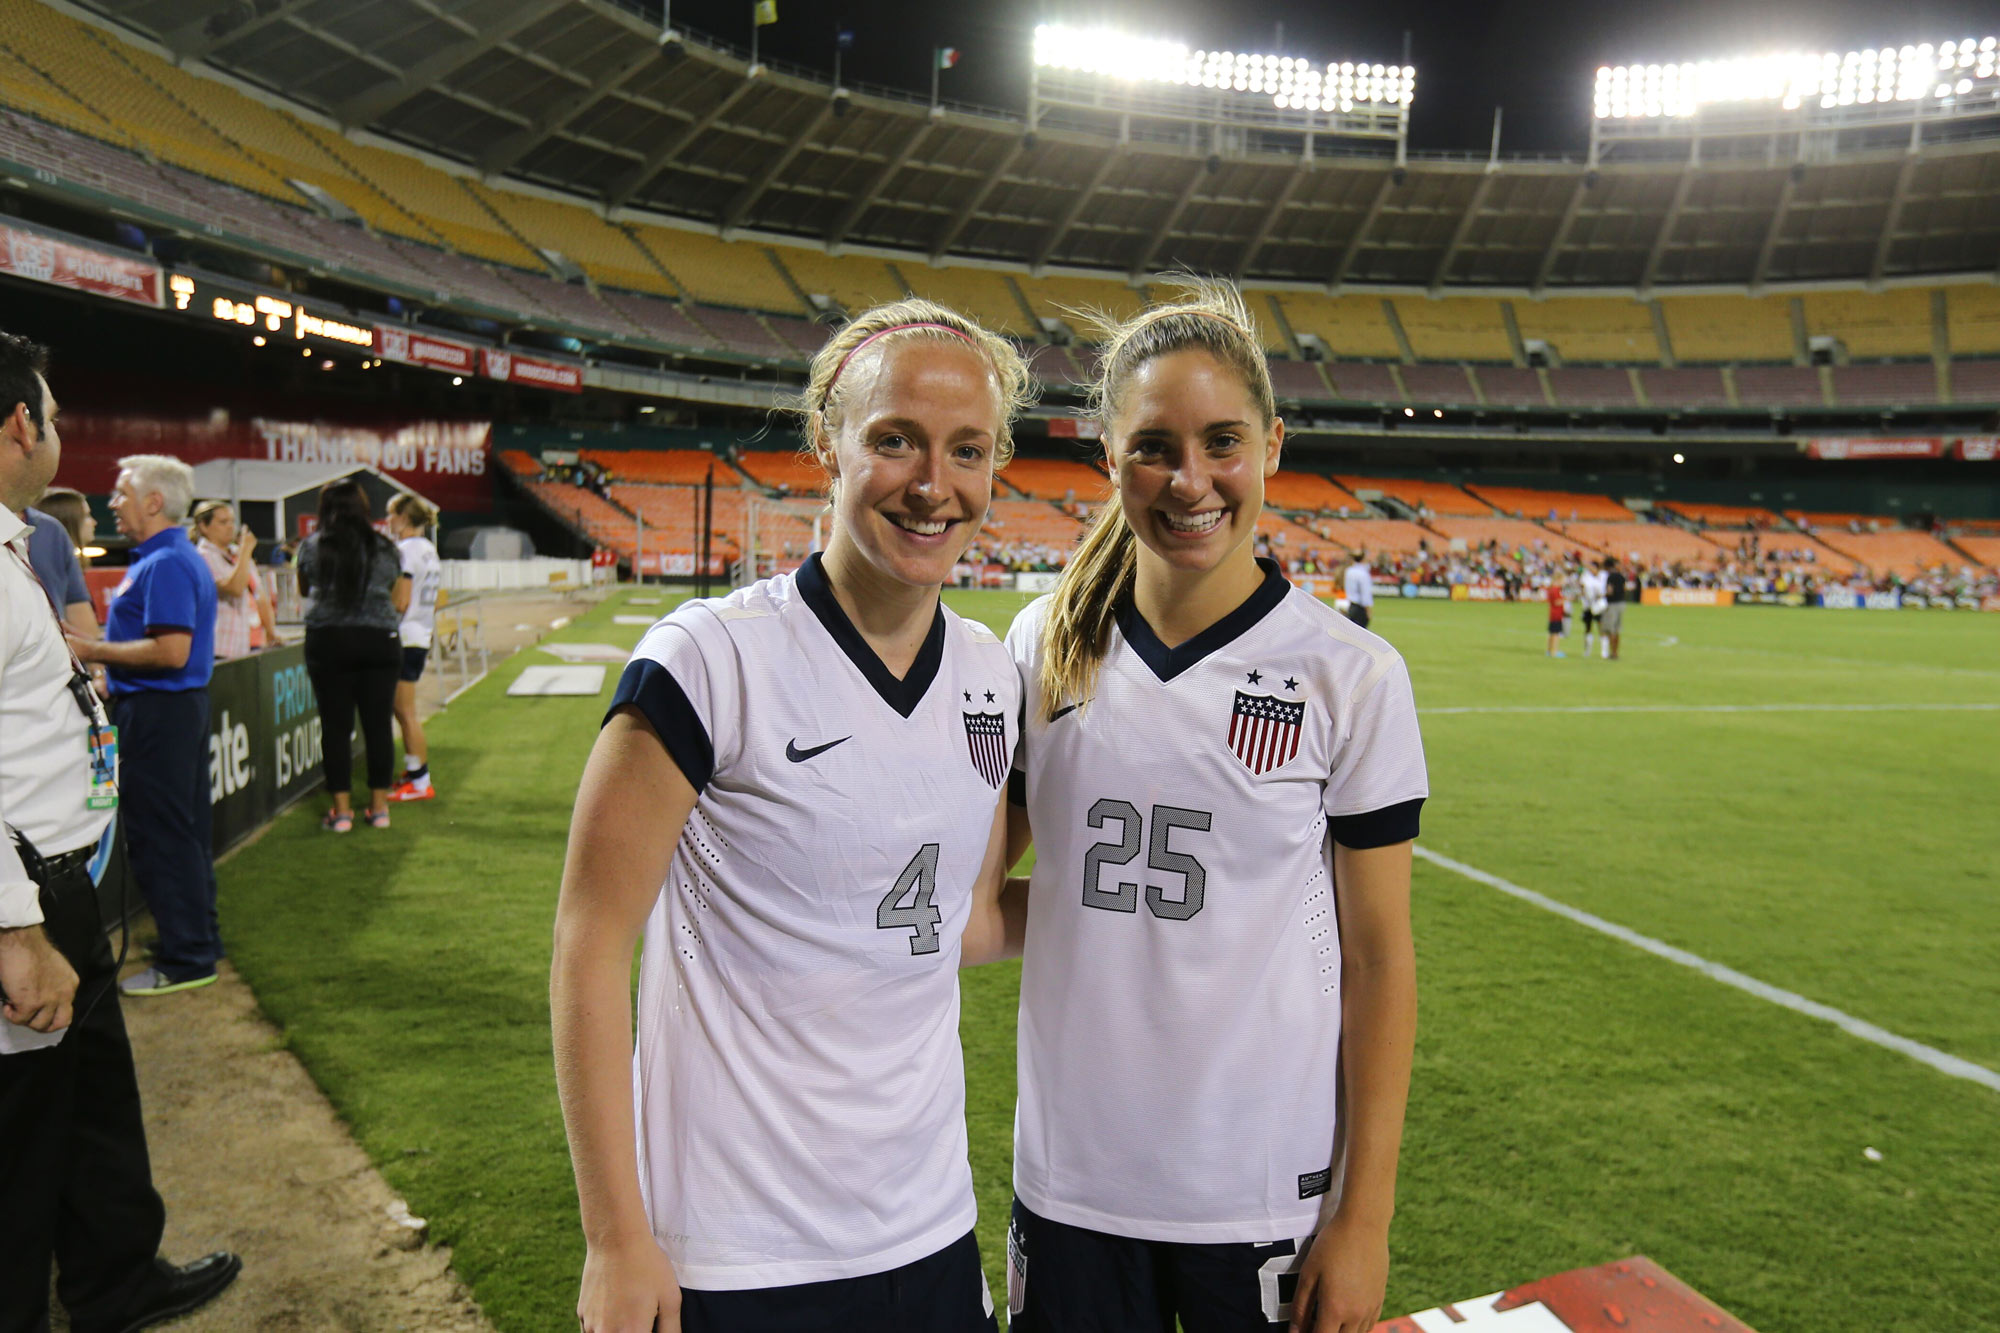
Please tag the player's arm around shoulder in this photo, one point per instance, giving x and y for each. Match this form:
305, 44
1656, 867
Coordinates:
630, 809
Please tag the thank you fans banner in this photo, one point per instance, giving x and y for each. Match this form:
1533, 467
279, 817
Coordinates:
27, 254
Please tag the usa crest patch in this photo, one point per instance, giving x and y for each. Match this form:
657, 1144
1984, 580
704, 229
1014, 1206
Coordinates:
986, 739
1264, 730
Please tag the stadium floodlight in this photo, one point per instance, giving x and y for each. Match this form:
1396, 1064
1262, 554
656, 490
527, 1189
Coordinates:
1289, 82
1934, 72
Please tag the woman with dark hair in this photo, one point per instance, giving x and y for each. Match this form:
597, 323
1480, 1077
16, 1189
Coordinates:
357, 593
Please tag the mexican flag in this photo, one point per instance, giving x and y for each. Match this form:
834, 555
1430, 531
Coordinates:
947, 56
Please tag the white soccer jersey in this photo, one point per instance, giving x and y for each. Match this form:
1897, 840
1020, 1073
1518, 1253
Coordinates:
1180, 998
420, 562
1594, 583
799, 1086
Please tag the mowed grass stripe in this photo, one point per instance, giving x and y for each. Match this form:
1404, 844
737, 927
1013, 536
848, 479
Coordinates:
1574, 1101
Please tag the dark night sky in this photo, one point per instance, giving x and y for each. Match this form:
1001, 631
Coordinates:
1537, 58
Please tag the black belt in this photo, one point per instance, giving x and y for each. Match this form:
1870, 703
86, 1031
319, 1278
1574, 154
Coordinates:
68, 861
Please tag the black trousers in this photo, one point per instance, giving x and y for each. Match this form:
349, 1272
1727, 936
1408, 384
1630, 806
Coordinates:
164, 802
354, 666
943, 1292
76, 1186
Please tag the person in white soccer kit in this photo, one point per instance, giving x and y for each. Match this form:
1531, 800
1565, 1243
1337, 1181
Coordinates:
409, 520
1592, 584
795, 793
1222, 777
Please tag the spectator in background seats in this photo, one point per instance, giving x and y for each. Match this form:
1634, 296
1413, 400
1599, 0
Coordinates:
231, 554
159, 648
354, 577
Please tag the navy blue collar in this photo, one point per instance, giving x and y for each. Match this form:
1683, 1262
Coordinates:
902, 695
1170, 662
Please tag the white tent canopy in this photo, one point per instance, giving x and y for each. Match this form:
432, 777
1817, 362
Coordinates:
261, 479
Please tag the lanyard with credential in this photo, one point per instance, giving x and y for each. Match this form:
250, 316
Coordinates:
103, 736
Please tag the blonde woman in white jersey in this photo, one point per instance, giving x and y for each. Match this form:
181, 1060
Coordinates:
795, 793
1222, 776
409, 520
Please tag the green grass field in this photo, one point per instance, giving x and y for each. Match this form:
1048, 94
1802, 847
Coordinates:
1804, 796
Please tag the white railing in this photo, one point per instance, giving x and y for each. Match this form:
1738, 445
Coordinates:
520, 575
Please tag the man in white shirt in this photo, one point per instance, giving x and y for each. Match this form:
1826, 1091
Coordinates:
1359, 584
76, 1187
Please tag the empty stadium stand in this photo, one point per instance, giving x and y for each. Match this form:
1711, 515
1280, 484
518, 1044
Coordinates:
1441, 386
853, 282
1350, 326
1591, 386
1981, 550
782, 469
1723, 516
1816, 519
1454, 328
1891, 323
1607, 329
978, 293
1360, 382
1975, 381
1972, 319
1513, 534
1717, 329
1523, 502
718, 272
1889, 385
1902, 553
1292, 541
1377, 536
1059, 296
1052, 365
1437, 496
1791, 551
1510, 386
684, 467
589, 513
1033, 521
1685, 386
1298, 381
1779, 386
1054, 478
1308, 492
1643, 543
742, 331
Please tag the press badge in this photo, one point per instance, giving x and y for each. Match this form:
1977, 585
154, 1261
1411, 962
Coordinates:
103, 767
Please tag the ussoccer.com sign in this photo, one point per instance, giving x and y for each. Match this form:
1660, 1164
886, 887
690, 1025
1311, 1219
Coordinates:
264, 741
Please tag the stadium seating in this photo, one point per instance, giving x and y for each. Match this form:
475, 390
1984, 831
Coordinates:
660, 320
1778, 386
597, 518
977, 293
673, 515
521, 463
1890, 385
1523, 502
1350, 326
805, 336
1512, 534
1904, 554
1981, 550
1052, 365
1722, 516
1590, 386
1033, 521
782, 469
1439, 497
1442, 386
1510, 386
1893, 322
1292, 541
1055, 296
1358, 382
684, 467
1644, 543
718, 272
1454, 328
1815, 519
1392, 536
1972, 319
741, 331
1308, 492
1728, 328
1298, 381
604, 251
852, 282
1053, 478
1602, 329
1685, 386
1975, 381
1795, 552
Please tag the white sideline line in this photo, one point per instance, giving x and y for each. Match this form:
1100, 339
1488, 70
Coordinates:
1718, 708
1729, 976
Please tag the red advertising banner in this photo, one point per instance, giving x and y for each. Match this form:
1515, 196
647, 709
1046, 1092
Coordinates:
1632, 1295
1977, 448
26, 254
444, 461
422, 349
503, 364
1844, 447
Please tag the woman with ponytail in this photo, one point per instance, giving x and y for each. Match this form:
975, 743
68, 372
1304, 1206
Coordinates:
796, 794
1215, 1033
410, 520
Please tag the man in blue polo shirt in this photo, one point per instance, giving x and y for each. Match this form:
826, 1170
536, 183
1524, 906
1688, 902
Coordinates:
159, 649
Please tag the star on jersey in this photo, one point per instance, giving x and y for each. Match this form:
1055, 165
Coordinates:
1256, 677
1292, 683
1264, 730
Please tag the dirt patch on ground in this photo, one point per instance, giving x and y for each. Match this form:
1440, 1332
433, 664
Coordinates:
250, 1156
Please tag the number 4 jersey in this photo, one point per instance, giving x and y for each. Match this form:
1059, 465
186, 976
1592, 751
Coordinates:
799, 1084
1180, 998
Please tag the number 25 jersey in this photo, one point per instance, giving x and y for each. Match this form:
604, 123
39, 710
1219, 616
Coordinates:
1180, 994
799, 1084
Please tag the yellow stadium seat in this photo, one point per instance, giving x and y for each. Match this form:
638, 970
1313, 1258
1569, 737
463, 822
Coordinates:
1972, 317
1728, 328
1591, 328
1896, 322
1350, 326
854, 282
1057, 296
719, 272
1455, 328
608, 254
978, 294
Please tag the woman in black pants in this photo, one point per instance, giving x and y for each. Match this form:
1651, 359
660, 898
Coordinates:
358, 592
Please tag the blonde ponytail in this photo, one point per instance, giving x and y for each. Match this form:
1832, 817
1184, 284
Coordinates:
1210, 315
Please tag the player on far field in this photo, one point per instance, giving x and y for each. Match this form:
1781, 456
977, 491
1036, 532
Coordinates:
1615, 595
1359, 585
1558, 618
1591, 586
409, 519
1212, 1088
795, 792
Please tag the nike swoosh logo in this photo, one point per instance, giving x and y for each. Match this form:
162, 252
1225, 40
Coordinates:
1063, 712
798, 756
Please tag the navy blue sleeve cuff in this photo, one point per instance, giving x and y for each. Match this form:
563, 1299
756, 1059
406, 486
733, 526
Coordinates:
1377, 828
652, 689
1017, 789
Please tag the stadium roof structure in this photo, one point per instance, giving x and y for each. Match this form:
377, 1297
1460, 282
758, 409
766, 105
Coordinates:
585, 97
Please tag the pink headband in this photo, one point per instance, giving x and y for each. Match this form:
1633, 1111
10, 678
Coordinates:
893, 328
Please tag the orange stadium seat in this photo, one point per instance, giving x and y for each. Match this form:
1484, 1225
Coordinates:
1722, 516
521, 463
1439, 497
1375, 535
1536, 504
1822, 518
687, 467
1032, 521
1791, 548
1905, 554
1982, 550
783, 469
1052, 479
1308, 491
597, 518
1511, 533
1645, 543
1293, 541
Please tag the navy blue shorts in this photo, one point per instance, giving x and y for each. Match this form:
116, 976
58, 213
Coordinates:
941, 1293
1065, 1279
413, 663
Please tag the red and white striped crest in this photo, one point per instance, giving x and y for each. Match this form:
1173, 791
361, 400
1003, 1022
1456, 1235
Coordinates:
1264, 731
986, 738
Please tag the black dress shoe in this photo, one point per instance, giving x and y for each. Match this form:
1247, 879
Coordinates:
179, 1290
